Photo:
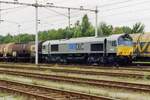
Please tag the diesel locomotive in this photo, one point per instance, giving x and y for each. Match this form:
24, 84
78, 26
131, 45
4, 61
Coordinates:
112, 49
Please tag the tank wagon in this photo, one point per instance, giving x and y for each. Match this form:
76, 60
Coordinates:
141, 46
2, 49
112, 49
18, 51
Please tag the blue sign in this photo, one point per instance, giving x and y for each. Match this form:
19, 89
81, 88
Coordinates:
72, 46
75, 46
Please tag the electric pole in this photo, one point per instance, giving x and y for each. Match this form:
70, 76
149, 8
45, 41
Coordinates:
96, 22
69, 18
0, 13
19, 32
36, 32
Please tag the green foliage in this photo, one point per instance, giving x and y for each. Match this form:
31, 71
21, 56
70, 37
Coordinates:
146, 77
126, 29
24, 38
104, 29
1, 38
77, 30
138, 28
8, 38
86, 27
43, 35
118, 30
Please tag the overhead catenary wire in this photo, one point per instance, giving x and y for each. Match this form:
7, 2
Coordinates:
56, 12
55, 19
14, 10
118, 8
114, 3
133, 20
118, 3
0, 13
62, 14
127, 12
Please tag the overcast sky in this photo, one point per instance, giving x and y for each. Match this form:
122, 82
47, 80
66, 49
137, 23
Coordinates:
115, 12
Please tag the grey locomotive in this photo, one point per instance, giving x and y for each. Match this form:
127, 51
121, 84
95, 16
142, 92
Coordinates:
111, 49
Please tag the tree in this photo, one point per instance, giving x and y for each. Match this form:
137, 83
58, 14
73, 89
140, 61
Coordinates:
126, 29
77, 29
118, 30
1, 39
123, 29
138, 28
43, 35
86, 27
8, 38
104, 29
24, 38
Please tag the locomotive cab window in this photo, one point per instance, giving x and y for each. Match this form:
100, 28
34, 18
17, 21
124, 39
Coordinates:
114, 43
125, 41
97, 47
54, 47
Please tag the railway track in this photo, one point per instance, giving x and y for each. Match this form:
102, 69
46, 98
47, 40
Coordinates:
84, 71
37, 92
52, 66
77, 80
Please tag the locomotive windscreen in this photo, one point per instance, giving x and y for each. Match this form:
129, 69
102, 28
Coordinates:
125, 40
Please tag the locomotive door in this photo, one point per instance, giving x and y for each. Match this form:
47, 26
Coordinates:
49, 49
105, 47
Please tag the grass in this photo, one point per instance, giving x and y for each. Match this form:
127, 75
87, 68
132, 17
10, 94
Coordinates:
9, 96
141, 62
111, 92
147, 77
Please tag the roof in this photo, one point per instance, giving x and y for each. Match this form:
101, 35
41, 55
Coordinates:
75, 40
83, 39
116, 36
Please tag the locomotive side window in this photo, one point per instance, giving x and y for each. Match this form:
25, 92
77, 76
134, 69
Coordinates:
54, 47
114, 43
97, 47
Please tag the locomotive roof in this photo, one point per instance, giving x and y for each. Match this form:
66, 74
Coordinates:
83, 39
75, 40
